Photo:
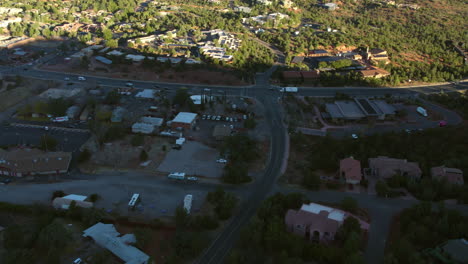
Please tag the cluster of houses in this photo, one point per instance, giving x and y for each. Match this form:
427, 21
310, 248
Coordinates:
7, 16
384, 168
262, 19
214, 43
362, 63
105, 57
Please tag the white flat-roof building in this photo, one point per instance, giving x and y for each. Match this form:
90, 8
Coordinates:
184, 120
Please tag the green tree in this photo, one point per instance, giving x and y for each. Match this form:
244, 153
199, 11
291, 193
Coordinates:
311, 180
143, 155
349, 204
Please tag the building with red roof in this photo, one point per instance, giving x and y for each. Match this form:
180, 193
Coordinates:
350, 170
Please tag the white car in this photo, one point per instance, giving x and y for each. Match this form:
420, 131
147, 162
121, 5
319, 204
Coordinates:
78, 261
204, 117
67, 79
46, 128
354, 136
129, 84
221, 161
81, 78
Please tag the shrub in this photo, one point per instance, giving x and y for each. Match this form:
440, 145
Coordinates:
137, 140
94, 197
58, 193
143, 155
84, 156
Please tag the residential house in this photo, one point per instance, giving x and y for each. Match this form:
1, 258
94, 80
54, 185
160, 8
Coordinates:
456, 249
377, 55
297, 60
106, 236
310, 75
318, 53
452, 175
329, 6
243, 9
265, 2
6, 22
374, 72
350, 170
317, 222
292, 76
25, 162
384, 167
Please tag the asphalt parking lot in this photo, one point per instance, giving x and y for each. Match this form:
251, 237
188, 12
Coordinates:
67, 140
159, 196
194, 159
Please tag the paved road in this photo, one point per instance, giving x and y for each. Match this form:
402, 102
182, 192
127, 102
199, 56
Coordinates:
380, 210
221, 246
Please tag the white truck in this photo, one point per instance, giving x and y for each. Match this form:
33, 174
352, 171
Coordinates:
188, 203
289, 89
422, 111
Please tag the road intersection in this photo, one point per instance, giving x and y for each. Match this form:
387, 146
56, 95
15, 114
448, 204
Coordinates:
381, 210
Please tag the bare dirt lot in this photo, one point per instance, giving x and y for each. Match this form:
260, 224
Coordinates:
12, 93
122, 155
194, 159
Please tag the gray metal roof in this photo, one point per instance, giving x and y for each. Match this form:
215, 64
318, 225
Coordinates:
107, 236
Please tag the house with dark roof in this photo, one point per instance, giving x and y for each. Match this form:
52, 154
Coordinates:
452, 175
292, 75
26, 162
297, 60
318, 53
384, 167
350, 170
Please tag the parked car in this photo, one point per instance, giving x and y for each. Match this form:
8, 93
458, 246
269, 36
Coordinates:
78, 261
208, 117
245, 117
213, 118
221, 161
67, 79
354, 136
218, 118
81, 78
46, 128
203, 117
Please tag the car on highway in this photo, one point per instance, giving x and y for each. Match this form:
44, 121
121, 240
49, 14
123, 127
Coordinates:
66, 79
354, 136
129, 84
408, 131
78, 261
81, 78
221, 161
192, 179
